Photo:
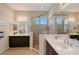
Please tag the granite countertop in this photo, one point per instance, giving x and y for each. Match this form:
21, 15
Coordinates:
62, 48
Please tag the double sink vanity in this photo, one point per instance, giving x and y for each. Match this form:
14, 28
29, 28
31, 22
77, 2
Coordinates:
59, 44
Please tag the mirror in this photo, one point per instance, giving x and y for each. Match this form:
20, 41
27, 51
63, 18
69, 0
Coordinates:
23, 27
14, 27
77, 29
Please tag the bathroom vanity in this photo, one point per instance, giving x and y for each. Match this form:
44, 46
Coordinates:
19, 41
50, 50
74, 37
58, 44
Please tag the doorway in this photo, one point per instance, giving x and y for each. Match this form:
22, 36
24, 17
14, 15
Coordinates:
39, 26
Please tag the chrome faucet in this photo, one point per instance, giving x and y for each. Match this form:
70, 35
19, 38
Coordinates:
68, 42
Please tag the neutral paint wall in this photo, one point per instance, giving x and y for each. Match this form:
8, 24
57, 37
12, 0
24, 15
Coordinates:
31, 14
72, 22
6, 14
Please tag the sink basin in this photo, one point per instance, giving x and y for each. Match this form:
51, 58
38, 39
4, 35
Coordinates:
61, 46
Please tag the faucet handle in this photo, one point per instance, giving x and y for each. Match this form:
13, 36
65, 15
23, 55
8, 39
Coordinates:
66, 41
71, 44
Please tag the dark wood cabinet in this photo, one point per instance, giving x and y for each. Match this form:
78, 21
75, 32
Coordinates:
74, 37
50, 50
19, 41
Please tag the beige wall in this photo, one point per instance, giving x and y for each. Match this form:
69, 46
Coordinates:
72, 22
6, 14
30, 14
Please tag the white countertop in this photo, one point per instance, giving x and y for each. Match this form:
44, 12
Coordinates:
19, 35
61, 48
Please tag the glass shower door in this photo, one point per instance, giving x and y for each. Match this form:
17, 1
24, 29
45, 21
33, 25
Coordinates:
43, 25
39, 27
36, 33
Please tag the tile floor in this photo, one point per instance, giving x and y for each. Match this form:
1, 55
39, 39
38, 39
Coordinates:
20, 51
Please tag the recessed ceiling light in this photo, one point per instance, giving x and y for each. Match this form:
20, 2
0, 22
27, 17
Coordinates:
42, 6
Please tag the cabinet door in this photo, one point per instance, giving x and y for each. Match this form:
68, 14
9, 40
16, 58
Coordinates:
50, 50
19, 41
27, 41
47, 48
11, 41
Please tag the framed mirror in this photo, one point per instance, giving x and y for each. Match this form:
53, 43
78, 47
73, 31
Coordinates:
14, 27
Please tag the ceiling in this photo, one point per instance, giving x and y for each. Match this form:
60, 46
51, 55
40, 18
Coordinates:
71, 7
30, 6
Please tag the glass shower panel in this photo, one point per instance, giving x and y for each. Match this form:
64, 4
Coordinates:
66, 26
40, 26
36, 33
59, 25
43, 25
52, 26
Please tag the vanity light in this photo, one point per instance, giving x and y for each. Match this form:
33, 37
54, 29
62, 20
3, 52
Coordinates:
22, 18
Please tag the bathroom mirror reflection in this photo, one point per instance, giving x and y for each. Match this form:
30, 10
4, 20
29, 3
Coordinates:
77, 29
14, 27
23, 27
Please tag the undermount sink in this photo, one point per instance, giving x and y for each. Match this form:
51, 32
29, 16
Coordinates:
61, 46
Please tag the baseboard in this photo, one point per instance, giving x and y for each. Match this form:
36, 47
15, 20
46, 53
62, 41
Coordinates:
4, 50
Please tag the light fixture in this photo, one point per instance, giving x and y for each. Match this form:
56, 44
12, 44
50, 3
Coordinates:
42, 7
22, 18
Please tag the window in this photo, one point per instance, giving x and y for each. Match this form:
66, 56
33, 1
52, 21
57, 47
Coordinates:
62, 24
43, 20
36, 21
58, 20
